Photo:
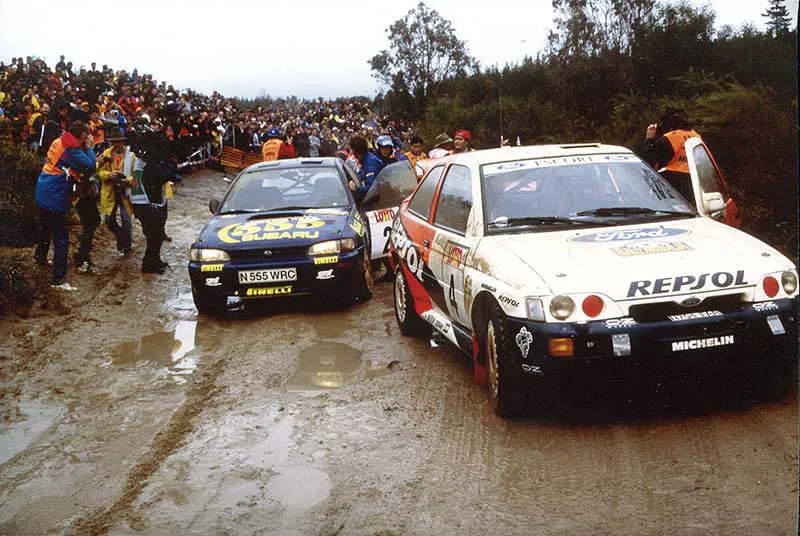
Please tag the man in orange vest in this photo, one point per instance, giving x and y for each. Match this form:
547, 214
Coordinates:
70, 161
275, 148
665, 151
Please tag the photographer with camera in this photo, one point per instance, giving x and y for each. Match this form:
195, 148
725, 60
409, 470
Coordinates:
153, 170
115, 171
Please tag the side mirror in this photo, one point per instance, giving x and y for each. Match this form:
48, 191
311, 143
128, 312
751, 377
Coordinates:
213, 205
714, 205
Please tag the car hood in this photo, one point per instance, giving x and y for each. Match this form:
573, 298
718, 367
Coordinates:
631, 261
273, 230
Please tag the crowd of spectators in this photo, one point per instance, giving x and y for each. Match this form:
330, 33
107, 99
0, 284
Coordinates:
32, 94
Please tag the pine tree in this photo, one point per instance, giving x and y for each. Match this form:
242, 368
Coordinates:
778, 18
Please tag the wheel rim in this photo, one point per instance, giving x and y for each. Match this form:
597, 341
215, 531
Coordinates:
400, 296
491, 360
369, 282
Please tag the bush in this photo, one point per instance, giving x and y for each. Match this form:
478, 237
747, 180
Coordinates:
19, 169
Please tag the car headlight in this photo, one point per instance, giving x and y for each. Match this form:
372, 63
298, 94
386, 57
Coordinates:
332, 247
789, 282
208, 255
535, 309
562, 307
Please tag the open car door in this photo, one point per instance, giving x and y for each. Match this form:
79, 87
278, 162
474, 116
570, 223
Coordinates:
394, 183
711, 194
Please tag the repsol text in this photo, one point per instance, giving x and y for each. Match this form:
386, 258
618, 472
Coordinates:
668, 285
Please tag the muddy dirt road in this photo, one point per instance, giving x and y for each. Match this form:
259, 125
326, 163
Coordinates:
124, 413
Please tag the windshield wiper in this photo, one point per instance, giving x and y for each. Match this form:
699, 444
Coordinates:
504, 221
630, 211
241, 211
292, 207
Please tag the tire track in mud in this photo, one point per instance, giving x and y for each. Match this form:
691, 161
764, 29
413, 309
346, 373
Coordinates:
201, 394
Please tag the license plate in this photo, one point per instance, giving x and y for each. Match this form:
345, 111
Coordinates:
273, 275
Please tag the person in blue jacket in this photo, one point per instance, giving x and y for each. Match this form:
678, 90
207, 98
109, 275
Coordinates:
70, 159
369, 166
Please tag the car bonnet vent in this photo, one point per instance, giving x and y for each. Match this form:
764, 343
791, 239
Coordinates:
580, 145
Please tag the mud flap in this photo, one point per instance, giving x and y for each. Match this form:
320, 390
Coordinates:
478, 370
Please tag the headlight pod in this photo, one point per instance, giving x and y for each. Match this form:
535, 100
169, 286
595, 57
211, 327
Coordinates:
535, 309
332, 247
789, 282
208, 255
562, 307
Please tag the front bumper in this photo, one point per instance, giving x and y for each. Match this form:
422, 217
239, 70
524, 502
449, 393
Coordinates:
336, 274
750, 338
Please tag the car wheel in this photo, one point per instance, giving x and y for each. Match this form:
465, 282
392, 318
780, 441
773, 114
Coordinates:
366, 282
406, 315
503, 367
209, 303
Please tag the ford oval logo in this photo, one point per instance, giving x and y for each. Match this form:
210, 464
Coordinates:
622, 235
691, 301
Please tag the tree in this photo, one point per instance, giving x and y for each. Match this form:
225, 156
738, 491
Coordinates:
588, 28
778, 18
424, 51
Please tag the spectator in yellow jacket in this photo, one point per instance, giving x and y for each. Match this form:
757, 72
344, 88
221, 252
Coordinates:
415, 154
115, 171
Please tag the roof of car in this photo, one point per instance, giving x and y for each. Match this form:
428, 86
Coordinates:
504, 154
295, 162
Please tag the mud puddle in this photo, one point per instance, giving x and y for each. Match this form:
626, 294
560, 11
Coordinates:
37, 419
172, 349
331, 365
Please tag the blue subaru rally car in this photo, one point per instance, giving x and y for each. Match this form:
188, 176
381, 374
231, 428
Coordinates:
284, 228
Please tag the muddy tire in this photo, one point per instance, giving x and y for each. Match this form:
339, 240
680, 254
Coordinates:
366, 282
503, 366
208, 303
408, 320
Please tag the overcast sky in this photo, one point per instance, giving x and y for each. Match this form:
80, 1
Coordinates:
306, 48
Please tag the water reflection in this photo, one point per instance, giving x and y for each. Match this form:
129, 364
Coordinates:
169, 348
331, 365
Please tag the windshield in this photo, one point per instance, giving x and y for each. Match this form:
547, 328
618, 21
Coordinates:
584, 189
288, 188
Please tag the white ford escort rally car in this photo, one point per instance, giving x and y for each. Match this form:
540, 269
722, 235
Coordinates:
546, 261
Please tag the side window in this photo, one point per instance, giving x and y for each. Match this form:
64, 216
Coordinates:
709, 178
421, 202
455, 200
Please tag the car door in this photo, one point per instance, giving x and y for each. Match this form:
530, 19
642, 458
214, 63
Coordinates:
452, 243
412, 236
394, 183
711, 194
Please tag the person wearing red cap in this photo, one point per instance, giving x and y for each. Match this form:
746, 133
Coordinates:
461, 141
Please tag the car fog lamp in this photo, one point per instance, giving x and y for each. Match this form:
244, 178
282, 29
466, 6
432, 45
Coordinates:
770, 286
535, 309
208, 255
562, 307
561, 347
789, 282
592, 305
